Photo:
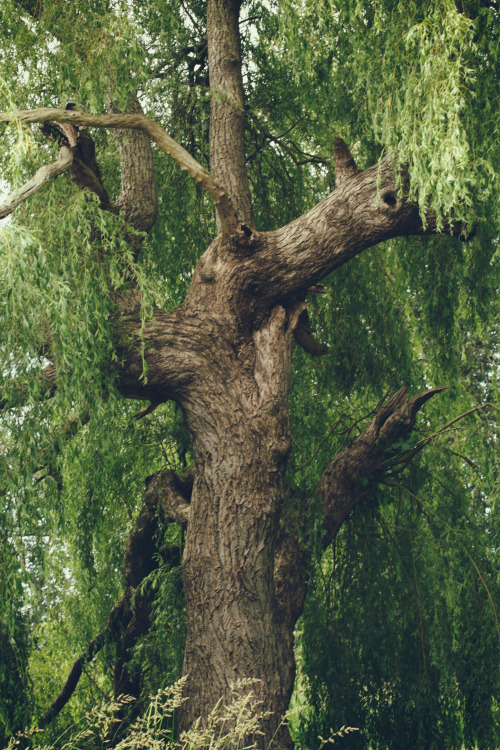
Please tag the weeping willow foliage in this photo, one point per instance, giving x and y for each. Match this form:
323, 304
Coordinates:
401, 632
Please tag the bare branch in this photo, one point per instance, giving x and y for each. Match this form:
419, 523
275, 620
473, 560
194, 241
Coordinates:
137, 121
37, 182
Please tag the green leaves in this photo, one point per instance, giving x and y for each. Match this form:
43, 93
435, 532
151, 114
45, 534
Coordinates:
409, 77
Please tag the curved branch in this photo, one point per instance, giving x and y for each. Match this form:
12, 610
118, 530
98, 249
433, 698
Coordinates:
37, 182
136, 121
303, 335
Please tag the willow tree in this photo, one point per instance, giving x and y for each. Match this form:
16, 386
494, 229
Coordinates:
126, 281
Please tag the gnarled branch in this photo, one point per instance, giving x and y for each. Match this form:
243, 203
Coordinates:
344, 482
137, 121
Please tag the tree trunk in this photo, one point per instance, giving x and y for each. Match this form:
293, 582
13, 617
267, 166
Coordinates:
240, 428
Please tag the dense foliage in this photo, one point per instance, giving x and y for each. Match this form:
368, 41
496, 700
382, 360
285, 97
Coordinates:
401, 633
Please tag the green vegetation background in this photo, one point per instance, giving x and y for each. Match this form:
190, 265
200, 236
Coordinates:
401, 635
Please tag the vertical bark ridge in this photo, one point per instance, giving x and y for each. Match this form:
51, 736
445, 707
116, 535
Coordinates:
227, 116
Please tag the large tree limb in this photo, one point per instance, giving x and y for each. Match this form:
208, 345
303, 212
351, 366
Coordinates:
345, 480
254, 271
137, 121
37, 182
356, 215
344, 483
227, 107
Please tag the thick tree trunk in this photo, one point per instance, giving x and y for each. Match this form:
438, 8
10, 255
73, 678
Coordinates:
240, 430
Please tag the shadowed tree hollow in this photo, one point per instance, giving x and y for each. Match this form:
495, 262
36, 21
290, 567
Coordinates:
219, 341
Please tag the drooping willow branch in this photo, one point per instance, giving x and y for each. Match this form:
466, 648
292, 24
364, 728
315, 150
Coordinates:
41, 178
167, 494
137, 121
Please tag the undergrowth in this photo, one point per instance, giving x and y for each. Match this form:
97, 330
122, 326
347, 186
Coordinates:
231, 725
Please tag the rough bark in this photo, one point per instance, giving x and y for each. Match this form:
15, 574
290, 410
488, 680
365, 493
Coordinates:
240, 429
225, 356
